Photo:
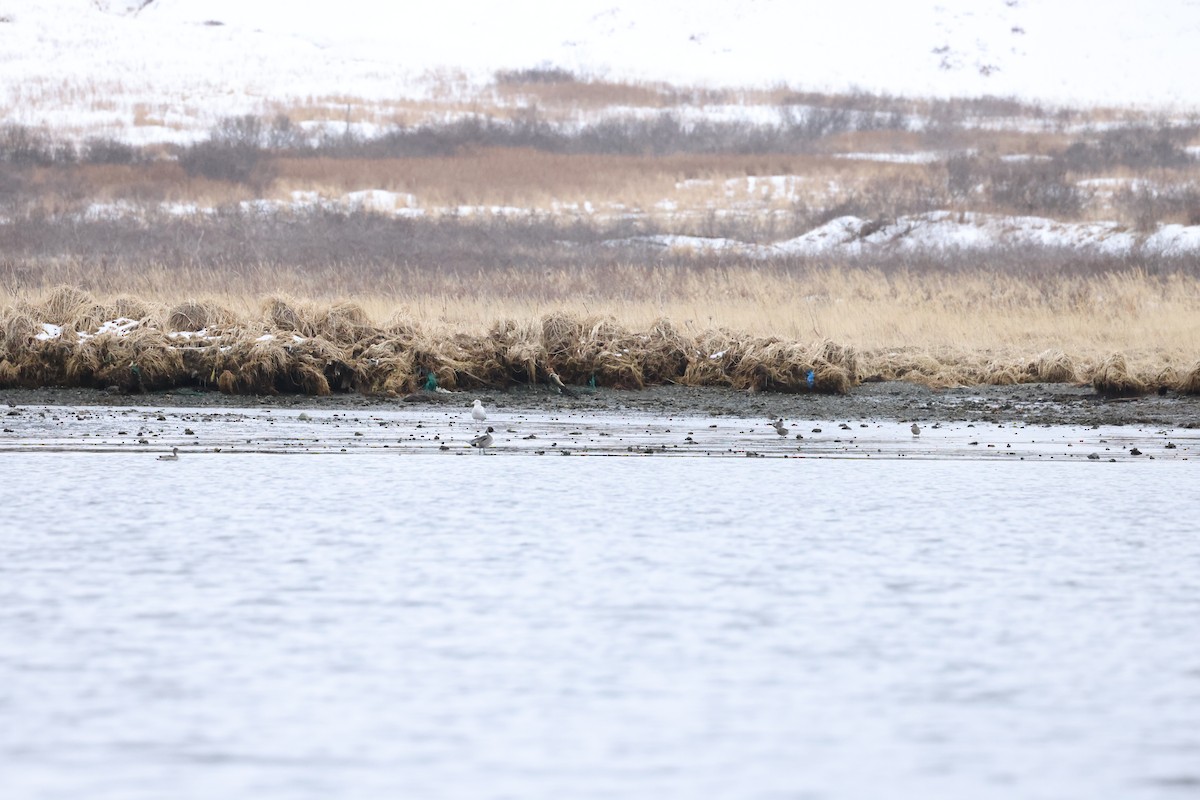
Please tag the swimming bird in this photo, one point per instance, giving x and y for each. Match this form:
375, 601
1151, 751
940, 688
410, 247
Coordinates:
174, 456
484, 439
780, 428
916, 429
477, 411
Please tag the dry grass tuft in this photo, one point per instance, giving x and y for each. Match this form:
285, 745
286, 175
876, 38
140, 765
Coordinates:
962, 334
1112, 378
519, 349
63, 305
193, 315
1190, 383
915, 366
285, 314
18, 330
344, 322
560, 336
1053, 366
124, 306
402, 324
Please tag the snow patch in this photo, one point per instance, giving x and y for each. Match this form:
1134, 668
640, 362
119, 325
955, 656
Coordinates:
941, 231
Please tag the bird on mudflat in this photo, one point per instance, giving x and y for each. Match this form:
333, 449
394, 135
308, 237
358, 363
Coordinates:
484, 439
173, 456
916, 429
779, 427
477, 411
557, 381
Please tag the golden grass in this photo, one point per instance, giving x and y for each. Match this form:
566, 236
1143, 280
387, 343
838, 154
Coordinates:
345, 350
1113, 379
585, 94
747, 327
535, 179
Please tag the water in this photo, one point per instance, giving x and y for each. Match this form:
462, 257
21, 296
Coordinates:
378, 625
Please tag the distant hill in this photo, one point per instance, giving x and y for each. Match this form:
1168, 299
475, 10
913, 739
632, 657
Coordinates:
60, 60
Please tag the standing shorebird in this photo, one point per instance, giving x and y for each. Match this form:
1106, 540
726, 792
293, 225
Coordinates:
916, 429
779, 427
174, 456
477, 411
558, 384
484, 439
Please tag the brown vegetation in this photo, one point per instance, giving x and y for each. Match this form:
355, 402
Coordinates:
520, 245
312, 349
766, 331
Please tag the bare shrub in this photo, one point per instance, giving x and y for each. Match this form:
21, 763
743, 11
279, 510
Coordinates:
964, 176
26, 146
233, 152
534, 75
1034, 187
284, 136
104, 150
1134, 146
1145, 207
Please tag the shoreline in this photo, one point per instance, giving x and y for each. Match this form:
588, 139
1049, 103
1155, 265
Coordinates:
1039, 404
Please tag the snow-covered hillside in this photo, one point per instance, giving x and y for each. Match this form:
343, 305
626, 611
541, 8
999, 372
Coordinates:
78, 63
943, 231
149, 71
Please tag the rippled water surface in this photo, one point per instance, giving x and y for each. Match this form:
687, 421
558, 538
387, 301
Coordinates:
384, 625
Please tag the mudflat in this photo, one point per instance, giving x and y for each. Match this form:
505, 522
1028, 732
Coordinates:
1041, 404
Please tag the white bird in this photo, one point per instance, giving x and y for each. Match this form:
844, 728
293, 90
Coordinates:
916, 429
477, 411
174, 456
484, 439
780, 428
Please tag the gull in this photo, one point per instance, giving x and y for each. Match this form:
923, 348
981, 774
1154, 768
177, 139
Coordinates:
477, 412
916, 429
484, 439
174, 456
780, 428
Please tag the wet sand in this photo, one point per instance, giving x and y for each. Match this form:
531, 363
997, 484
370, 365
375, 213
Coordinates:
1022, 423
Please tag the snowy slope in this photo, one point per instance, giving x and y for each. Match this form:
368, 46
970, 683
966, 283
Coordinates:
75, 62
946, 231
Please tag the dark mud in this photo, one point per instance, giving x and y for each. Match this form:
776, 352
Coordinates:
1040, 404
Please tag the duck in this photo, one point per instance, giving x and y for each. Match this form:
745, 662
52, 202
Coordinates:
484, 439
174, 455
